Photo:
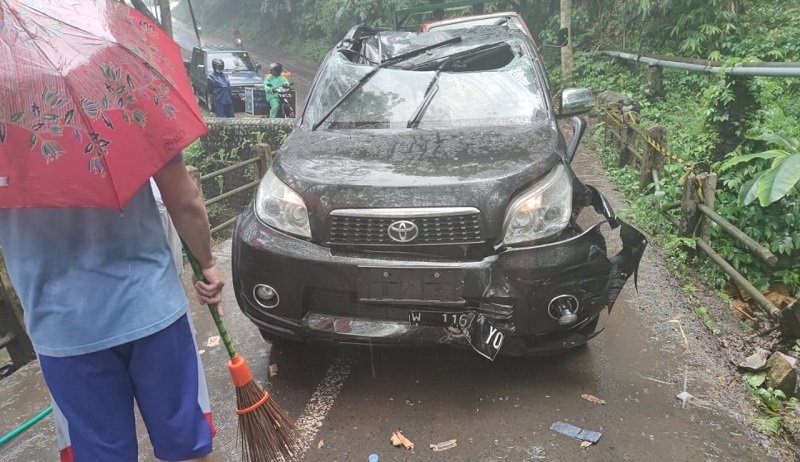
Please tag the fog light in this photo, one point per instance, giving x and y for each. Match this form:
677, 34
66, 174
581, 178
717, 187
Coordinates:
564, 309
266, 296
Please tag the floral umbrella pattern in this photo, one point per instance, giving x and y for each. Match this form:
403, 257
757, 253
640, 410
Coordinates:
91, 82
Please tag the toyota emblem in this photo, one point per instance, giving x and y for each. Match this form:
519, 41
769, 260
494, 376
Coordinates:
403, 231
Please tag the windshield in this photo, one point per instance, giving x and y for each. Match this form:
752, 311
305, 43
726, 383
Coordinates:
504, 96
234, 61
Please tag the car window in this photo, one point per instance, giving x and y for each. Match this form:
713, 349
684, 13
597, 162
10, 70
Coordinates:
504, 96
234, 61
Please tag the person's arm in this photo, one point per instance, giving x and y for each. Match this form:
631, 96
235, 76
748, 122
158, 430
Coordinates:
188, 213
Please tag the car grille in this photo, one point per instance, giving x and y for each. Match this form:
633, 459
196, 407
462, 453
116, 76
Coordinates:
461, 228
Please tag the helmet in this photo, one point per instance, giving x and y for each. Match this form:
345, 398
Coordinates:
276, 68
217, 63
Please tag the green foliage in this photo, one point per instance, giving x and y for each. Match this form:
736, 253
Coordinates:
776, 182
769, 425
710, 324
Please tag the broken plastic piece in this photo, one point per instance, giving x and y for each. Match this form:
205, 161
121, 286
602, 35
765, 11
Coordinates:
273, 370
586, 444
213, 341
578, 433
444, 445
373, 458
399, 440
685, 397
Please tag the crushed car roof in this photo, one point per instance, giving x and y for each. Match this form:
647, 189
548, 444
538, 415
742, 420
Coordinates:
375, 46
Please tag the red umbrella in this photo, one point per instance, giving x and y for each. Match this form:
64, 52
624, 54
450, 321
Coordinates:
94, 99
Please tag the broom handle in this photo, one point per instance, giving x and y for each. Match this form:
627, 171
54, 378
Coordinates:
198, 273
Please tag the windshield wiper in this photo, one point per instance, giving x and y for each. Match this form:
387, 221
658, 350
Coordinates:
430, 92
389, 62
461, 54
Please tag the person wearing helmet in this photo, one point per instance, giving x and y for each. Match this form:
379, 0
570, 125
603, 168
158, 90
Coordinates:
272, 82
219, 89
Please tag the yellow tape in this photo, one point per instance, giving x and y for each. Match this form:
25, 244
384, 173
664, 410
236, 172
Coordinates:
689, 166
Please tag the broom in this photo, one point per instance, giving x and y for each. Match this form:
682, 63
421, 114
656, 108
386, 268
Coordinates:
265, 431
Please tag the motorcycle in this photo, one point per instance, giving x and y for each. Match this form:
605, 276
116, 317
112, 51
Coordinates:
238, 42
287, 97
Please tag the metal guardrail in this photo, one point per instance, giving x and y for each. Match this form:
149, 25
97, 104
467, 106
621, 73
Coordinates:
262, 157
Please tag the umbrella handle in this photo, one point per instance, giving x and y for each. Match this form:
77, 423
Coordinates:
223, 332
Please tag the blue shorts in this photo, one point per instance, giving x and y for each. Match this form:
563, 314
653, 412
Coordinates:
94, 394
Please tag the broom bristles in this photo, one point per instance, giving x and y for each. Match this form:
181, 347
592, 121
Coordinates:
266, 433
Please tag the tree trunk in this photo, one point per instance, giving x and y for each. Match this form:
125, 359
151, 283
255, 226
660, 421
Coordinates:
166, 16
567, 61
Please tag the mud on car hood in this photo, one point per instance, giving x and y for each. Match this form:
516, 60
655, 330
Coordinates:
480, 167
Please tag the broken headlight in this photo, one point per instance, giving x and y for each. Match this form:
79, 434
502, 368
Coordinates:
542, 210
280, 207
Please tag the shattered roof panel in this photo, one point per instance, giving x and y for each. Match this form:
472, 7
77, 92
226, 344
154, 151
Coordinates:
386, 44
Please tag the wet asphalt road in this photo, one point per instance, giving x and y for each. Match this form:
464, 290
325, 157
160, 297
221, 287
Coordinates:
349, 400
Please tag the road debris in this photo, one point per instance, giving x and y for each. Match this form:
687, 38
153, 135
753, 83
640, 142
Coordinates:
273, 369
320, 444
213, 341
685, 397
373, 458
756, 361
593, 399
398, 439
782, 373
444, 445
586, 444
578, 433
683, 334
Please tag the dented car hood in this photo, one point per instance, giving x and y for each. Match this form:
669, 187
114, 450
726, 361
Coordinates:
479, 167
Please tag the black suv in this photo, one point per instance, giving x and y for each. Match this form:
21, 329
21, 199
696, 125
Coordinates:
426, 197
241, 70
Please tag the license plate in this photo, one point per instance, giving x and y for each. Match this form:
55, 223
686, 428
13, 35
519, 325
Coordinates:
484, 337
439, 285
480, 333
438, 318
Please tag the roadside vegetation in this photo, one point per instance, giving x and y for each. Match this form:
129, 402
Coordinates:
747, 130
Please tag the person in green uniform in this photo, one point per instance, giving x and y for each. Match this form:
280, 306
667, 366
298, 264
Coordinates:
271, 83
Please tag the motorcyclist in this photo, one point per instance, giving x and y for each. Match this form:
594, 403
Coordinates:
272, 82
219, 89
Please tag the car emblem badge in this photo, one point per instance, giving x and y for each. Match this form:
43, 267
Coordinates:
403, 231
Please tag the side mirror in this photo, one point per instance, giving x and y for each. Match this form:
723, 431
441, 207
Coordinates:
578, 129
563, 37
576, 101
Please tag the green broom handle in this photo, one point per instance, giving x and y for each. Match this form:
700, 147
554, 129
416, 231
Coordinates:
198, 273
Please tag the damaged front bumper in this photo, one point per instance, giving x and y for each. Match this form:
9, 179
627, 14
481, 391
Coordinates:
319, 291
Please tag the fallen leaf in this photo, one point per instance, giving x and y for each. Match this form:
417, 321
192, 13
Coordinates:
399, 440
593, 399
585, 444
320, 444
213, 341
273, 370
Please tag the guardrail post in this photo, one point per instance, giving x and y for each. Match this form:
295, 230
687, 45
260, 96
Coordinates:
195, 175
264, 152
651, 158
627, 139
654, 82
689, 213
19, 345
708, 183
